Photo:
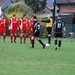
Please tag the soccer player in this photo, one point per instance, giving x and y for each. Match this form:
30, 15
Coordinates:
23, 28
36, 33
13, 28
58, 28
3, 23
30, 25
49, 24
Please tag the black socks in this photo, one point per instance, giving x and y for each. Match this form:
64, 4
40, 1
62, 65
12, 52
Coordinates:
41, 42
58, 43
32, 43
49, 39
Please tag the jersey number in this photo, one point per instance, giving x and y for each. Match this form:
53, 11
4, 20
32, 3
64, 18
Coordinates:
59, 25
38, 26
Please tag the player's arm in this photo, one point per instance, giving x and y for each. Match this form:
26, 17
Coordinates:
7, 22
64, 29
53, 27
20, 24
47, 21
10, 21
28, 23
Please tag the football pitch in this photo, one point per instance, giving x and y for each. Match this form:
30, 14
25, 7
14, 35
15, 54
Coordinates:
19, 59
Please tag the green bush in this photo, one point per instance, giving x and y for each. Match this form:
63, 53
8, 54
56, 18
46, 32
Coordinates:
43, 32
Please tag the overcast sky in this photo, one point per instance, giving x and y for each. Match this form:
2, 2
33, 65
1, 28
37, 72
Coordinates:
49, 2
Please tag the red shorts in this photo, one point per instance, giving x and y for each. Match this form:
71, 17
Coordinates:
23, 31
30, 32
2, 30
13, 31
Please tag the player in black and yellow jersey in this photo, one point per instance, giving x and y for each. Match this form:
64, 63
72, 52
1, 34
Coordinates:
49, 24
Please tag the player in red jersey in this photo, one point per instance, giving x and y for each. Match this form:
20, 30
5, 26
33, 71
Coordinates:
13, 28
23, 28
30, 25
3, 23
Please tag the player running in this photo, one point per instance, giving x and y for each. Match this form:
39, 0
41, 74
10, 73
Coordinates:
36, 33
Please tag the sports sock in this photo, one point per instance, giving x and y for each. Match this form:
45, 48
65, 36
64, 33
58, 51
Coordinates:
24, 39
59, 44
56, 43
49, 39
30, 38
4, 37
11, 38
14, 38
41, 42
20, 39
32, 43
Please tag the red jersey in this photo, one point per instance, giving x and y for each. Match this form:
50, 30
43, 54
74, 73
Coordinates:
23, 24
30, 23
13, 23
2, 23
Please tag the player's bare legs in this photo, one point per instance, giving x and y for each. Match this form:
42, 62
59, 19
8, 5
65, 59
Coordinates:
11, 37
15, 35
4, 36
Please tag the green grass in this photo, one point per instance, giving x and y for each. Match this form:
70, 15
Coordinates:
19, 59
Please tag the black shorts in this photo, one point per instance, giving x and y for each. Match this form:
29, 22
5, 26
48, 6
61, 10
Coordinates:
58, 35
49, 29
36, 34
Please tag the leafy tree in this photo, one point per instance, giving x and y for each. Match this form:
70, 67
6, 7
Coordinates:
36, 5
19, 15
43, 32
19, 7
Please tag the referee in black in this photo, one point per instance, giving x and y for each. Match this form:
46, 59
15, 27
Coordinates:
58, 28
36, 33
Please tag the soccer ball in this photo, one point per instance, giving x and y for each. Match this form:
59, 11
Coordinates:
47, 44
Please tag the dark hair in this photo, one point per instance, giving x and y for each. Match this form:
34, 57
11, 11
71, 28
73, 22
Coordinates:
34, 17
14, 15
24, 15
59, 15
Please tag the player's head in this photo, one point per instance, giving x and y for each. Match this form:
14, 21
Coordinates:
24, 16
14, 15
59, 15
49, 17
35, 17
